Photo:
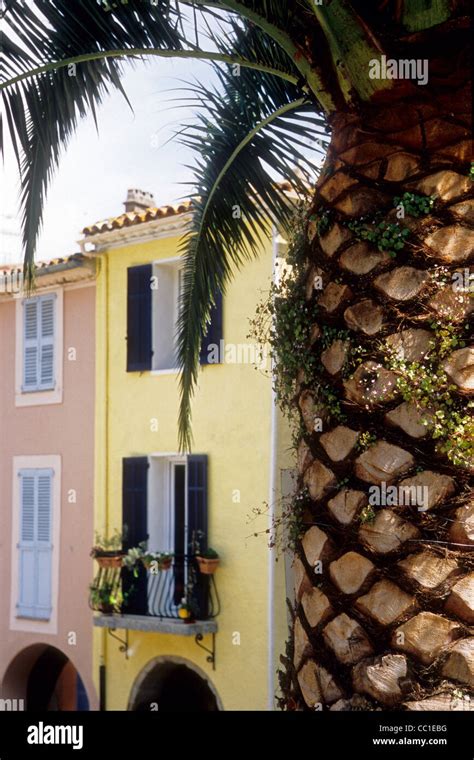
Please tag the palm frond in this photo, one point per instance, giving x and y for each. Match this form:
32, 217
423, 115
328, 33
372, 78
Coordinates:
254, 127
41, 113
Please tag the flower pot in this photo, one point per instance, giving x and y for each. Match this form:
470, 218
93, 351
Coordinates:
208, 566
109, 559
165, 564
106, 609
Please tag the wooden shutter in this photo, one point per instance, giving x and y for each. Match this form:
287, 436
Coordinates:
139, 309
197, 522
35, 547
38, 343
30, 344
135, 529
46, 342
214, 332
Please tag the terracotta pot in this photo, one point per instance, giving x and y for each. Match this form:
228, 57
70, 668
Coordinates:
208, 566
109, 559
106, 609
164, 564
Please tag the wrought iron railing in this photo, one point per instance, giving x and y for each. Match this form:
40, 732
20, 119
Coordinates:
179, 592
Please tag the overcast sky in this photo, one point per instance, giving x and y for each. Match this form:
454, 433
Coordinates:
96, 169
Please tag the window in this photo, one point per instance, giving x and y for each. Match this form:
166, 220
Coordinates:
39, 349
35, 544
165, 314
152, 315
38, 343
164, 502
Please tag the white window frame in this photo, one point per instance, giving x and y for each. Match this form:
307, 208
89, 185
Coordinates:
20, 463
48, 396
161, 488
175, 262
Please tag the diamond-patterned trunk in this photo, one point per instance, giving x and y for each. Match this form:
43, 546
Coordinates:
385, 588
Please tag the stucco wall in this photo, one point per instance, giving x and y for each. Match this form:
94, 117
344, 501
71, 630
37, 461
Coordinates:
67, 430
231, 424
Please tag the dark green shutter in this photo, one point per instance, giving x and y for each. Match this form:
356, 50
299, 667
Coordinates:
135, 530
197, 523
139, 308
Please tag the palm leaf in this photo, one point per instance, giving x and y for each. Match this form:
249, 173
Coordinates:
41, 113
254, 125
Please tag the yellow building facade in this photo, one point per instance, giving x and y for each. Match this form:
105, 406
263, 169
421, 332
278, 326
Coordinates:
154, 660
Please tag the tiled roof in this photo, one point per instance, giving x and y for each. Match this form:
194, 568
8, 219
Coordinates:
137, 217
17, 269
147, 215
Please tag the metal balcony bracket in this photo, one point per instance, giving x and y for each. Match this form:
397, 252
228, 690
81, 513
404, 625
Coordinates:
211, 653
123, 644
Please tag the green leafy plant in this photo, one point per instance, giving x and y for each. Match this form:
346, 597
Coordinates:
106, 597
104, 544
283, 321
426, 384
323, 221
209, 553
331, 334
365, 440
386, 236
415, 205
367, 514
134, 557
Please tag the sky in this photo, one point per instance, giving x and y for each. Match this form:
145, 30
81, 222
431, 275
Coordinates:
96, 169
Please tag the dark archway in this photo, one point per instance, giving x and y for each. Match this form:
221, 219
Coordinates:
173, 687
47, 681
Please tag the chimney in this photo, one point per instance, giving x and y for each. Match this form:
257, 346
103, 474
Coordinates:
137, 200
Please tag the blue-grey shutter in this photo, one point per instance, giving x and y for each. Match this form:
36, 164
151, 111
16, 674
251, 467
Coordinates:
30, 344
46, 341
44, 547
139, 315
197, 523
135, 529
35, 546
213, 335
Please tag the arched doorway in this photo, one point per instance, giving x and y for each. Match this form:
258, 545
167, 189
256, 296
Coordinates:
46, 680
173, 685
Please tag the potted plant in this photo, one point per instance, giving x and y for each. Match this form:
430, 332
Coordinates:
155, 561
105, 598
164, 560
208, 561
186, 611
133, 557
108, 551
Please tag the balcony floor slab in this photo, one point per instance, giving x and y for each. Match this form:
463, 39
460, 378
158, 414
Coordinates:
150, 624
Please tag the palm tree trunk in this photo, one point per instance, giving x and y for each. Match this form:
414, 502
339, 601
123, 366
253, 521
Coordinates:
384, 573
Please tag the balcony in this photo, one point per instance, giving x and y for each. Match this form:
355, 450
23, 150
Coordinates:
172, 598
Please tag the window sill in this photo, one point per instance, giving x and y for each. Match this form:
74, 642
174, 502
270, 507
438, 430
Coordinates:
38, 398
164, 371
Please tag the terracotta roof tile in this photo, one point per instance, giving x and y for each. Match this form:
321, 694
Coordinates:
12, 269
147, 215
137, 217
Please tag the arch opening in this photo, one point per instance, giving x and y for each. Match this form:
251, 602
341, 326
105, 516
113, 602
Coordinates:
45, 680
173, 685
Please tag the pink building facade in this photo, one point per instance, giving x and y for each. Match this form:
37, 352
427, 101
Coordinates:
47, 381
